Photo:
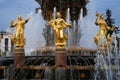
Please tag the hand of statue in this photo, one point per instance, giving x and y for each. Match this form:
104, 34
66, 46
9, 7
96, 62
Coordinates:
97, 14
29, 18
11, 23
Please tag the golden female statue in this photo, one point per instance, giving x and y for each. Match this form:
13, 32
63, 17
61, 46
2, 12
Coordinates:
18, 37
58, 25
103, 28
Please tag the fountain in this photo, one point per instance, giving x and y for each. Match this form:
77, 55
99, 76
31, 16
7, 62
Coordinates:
106, 67
62, 58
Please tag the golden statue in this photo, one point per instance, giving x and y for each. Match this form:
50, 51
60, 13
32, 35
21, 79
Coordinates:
58, 24
103, 28
18, 37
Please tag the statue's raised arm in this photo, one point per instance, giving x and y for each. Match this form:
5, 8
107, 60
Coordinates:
97, 21
12, 23
97, 14
27, 20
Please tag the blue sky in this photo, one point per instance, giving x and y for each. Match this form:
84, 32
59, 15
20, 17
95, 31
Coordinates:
113, 5
9, 9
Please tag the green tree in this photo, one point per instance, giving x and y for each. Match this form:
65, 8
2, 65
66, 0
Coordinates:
108, 19
110, 22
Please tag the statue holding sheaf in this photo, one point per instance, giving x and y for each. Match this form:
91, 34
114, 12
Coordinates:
18, 38
58, 25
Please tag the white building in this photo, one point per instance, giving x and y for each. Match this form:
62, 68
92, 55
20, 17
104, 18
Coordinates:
6, 45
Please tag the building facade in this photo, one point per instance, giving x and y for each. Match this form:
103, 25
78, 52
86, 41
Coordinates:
6, 45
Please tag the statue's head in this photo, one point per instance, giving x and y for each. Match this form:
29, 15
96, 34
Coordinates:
58, 15
19, 17
102, 16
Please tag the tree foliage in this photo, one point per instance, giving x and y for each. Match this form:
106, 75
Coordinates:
110, 22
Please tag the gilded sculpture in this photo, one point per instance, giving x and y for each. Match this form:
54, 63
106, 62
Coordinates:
103, 31
58, 25
18, 38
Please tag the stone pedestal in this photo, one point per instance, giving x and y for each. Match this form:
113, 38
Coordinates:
60, 64
19, 57
60, 57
